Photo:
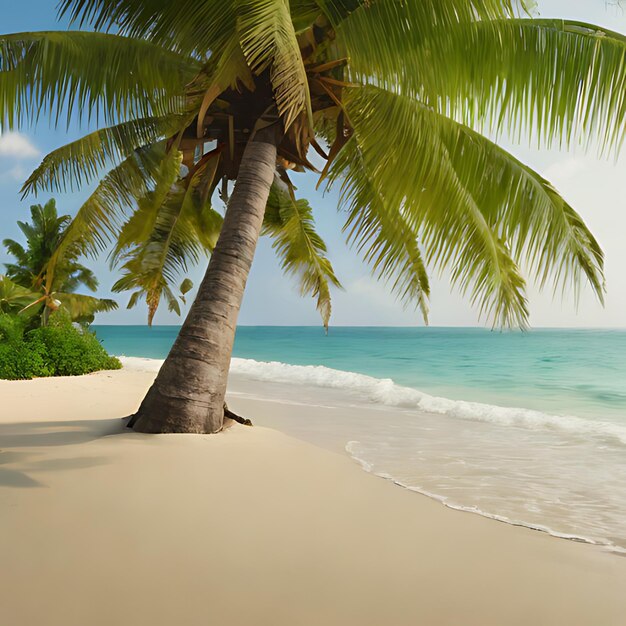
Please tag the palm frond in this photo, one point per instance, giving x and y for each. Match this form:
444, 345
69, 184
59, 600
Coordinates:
403, 158
385, 239
14, 297
74, 275
16, 250
554, 80
563, 81
137, 228
166, 233
189, 199
525, 209
187, 26
378, 34
269, 42
352, 14
301, 250
99, 217
87, 75
455, 185
81, 161
80, 306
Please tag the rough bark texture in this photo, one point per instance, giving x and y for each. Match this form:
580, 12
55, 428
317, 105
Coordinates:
188, 393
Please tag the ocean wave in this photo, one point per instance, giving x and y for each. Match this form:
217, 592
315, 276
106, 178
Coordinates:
351, 447
140, 364
384, 391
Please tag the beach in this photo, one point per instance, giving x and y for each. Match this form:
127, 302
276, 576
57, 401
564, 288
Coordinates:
528, 428
100, 525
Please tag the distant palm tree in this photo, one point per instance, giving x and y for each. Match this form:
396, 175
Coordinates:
13, 297
391, 94
50, 285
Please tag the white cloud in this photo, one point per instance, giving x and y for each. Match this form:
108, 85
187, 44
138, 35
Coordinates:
16, 145
16, 172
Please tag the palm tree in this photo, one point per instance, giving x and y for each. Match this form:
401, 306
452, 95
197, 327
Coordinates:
392, 94
48, 286
13, 297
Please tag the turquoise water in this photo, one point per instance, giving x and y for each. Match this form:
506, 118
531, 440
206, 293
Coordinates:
528, 428
571, 372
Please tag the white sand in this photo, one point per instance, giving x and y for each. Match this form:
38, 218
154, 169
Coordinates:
99, 526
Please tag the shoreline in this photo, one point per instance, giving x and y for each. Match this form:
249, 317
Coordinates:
241, 380
269, 378
100, 525
387, 393
245, 376
607, 546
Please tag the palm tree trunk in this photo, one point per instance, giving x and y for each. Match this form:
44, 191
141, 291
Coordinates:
188, 393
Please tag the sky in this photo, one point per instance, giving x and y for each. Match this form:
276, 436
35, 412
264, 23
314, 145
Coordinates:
596, 187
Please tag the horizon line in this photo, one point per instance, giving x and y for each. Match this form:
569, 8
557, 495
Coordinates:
416, 326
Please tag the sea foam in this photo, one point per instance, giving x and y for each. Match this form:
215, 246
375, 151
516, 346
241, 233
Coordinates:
384, 391
351, 446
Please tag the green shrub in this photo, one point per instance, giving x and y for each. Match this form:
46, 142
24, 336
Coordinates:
11, 328
19, 358
59, 349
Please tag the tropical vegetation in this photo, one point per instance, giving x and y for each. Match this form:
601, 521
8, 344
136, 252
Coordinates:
394, 97
61, 348
40, 281
43, 322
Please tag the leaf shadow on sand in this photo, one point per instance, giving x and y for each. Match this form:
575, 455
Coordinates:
56, 433
12, 477
20, 442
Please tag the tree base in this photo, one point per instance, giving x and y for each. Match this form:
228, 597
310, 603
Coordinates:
148, 425
236, 418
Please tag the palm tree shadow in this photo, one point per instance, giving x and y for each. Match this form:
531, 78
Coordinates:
17, 478
12, 477
34, 437
57, 433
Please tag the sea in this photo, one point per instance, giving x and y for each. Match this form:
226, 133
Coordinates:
527, 428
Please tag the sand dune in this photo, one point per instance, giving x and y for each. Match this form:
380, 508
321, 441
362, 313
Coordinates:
102, 526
